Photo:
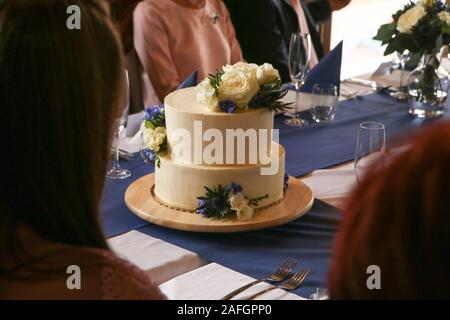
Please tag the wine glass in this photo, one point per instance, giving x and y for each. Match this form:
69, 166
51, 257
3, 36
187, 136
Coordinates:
370, 148
299, 60
116, 172
400, 93
320, 294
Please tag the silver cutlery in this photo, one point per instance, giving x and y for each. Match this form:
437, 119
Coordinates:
373, 85
279, 275
363, 82
293, 283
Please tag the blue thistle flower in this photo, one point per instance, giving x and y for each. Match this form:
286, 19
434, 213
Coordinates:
227, 106
218, 204
234, 188
155, 114
149, 154
201, 209
256, 102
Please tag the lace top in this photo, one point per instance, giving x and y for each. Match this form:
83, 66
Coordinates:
57, 271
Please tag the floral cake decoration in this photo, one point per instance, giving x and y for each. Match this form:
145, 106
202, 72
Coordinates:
242, 86
154, 135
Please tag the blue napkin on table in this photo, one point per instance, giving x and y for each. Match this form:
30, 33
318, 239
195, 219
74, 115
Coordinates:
328, 71
190, 81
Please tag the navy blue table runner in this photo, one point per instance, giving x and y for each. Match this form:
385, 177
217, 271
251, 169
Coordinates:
309, 238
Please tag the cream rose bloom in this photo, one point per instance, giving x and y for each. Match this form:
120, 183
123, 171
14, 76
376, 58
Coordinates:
444, 16
245, 213
410, 18
266, 73
249, 68
237, 201
426, 3
238, 86
153, 139
206, 94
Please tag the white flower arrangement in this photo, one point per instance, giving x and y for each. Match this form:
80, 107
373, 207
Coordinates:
242, 85
422, 28
222, 202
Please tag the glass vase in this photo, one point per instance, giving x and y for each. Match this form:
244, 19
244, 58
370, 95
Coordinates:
427, 88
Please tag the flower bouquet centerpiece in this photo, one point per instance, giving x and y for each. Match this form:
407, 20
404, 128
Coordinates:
422, 28
241, 86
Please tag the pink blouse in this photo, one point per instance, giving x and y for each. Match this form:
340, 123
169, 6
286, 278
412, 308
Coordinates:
47, 272
172, 41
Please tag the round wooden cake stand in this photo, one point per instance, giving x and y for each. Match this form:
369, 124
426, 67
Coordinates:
297, 201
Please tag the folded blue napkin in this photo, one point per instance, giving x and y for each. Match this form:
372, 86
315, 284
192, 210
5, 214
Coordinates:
327, 71
190, 81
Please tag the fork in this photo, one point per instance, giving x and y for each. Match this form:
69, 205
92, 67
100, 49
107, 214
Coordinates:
293, 283
283, 271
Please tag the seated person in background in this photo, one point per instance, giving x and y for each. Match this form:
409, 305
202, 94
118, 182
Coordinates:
399, 220
60, 91
122, 12
264, 28
174, 38
321, 10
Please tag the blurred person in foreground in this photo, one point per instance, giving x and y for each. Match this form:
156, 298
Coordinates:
264, 28
398, 219
174, 38
60, 91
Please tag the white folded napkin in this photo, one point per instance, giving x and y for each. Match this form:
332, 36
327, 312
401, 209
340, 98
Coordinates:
133, 124
161, 260
213, 281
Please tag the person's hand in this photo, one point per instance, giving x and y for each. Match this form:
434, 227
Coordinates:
338, 4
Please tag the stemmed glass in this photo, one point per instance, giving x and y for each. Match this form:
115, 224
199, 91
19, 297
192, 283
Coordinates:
401, 94
370, 148
116, 172
299, 60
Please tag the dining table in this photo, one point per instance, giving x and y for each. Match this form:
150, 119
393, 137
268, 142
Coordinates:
193, 266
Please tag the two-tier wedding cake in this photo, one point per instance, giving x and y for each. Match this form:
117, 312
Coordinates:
214, 145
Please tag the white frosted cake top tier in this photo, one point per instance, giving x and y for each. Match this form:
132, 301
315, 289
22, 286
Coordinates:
184, 115
185, 100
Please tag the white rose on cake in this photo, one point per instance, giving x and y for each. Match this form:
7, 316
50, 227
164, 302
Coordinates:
249, 68
426, 3
444, 16
240, 204
206, 94
153, 139
239, 86
266, 73
245, 213
237, 201
410, 18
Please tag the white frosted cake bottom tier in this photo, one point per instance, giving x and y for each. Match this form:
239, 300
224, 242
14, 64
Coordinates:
179, 185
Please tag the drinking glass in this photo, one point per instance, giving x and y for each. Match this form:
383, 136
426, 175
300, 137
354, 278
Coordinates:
299, 60
370, 148
320, 294
324, 102
116, 172
400, 93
